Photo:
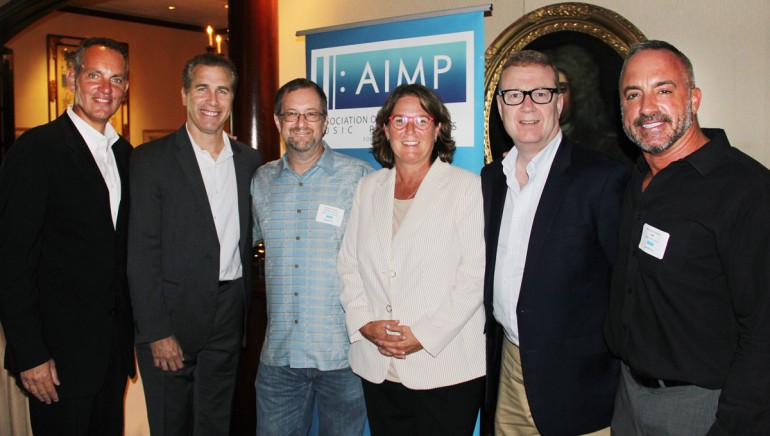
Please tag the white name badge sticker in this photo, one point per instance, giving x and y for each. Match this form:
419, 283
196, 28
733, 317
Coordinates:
653, 241
329, 215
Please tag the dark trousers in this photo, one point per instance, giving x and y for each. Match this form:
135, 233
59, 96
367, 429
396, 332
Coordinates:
94, 415
397, 410
675, 411
198, 399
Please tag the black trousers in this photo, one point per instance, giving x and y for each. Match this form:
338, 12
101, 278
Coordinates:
394, 409
197, 400
95, 415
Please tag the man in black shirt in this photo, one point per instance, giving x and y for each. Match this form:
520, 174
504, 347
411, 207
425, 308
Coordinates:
689, 306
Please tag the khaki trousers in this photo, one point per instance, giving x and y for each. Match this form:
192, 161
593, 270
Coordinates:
513, 416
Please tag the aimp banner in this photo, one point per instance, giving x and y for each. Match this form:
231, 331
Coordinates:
358, 65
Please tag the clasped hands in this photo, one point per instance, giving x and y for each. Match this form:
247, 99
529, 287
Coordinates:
391, 339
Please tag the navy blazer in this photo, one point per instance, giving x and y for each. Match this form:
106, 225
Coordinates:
569, 375
63, 286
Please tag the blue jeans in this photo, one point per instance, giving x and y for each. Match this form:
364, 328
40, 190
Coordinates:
285, 399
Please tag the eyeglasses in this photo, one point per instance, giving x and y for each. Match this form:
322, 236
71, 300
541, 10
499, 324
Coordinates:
515, 97
420, 122
310, 117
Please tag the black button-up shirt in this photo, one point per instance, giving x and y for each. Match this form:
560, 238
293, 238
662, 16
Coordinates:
701, 313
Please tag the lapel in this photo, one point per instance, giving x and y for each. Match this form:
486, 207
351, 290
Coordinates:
495, 204
84, 161
423, 206
242, 182
550, 200
382, 209
122, 150
185, 156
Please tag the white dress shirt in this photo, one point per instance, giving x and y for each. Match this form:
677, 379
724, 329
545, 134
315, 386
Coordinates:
100, 146
222, 192
515, 228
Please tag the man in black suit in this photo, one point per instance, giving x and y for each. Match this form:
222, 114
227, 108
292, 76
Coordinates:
189, 257
63, 223
551, 212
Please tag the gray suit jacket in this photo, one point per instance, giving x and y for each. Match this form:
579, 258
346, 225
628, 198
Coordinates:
173, 248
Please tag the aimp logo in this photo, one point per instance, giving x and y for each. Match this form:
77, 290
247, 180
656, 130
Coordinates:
362, 75
357, 79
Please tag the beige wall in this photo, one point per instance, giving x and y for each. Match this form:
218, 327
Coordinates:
156, 57
728, 43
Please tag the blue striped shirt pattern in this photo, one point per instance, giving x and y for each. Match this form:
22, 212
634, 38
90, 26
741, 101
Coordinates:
306, 324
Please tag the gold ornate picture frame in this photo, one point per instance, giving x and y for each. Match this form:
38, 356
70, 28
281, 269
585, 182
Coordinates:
552, 25
61, 54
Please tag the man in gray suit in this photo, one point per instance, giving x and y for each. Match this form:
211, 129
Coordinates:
189, 252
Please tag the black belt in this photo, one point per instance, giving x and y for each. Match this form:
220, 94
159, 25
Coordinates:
655, 383
224, 282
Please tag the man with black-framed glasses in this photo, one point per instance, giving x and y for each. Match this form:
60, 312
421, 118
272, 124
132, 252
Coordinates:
301, 204
551, 214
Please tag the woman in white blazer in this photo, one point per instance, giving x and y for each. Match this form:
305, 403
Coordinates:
412, 270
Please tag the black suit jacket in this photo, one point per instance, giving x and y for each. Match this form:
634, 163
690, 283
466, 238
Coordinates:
569, 375
63, 286
173, 255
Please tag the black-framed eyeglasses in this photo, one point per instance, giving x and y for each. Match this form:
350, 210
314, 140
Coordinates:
515, 97
421, 122
310, 117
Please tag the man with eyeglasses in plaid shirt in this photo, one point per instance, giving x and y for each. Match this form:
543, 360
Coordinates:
301, 206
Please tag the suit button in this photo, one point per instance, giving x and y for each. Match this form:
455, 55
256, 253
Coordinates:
388, 308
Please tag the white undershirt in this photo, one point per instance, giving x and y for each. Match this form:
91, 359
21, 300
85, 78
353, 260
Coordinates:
515, 228
222, 192
100, 146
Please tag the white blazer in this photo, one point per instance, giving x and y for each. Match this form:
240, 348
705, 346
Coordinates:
430, 276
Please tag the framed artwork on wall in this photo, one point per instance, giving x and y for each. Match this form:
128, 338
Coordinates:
61, 55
